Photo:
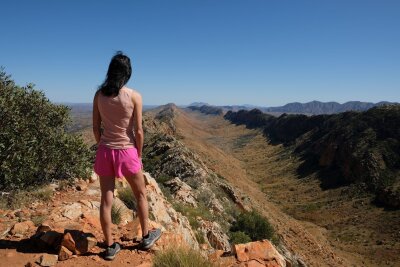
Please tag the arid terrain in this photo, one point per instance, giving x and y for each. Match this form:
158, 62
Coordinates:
318, 224
333, 227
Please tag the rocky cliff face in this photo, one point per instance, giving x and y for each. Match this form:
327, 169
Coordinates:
345, 148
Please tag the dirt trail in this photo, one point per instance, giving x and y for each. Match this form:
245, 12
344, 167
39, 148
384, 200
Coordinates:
215, 139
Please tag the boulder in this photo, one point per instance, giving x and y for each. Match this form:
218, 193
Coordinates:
215, 236
182, 191
22, 227
162, 212
68, 242
64, 254
260, 251
72, 211
79, 242
47, 260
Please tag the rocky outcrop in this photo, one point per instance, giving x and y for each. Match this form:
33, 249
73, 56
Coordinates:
163, 212
215, 236
259, 253
235, 196
181, 191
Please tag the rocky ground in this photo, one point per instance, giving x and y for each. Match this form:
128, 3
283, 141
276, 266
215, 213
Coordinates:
69, 233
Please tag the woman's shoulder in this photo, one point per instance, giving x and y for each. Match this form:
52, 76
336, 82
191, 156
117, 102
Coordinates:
133, 92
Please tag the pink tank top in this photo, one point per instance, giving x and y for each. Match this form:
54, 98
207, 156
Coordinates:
117, 118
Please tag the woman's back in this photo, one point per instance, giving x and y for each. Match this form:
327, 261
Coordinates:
117, 117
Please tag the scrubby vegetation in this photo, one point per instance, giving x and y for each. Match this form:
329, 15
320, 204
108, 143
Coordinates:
21, 198
127, 197
116, 214
180, 257
34, 145
239, 237
251, 226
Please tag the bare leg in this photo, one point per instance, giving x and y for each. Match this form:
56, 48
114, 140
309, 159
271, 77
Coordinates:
138, 186
107, 185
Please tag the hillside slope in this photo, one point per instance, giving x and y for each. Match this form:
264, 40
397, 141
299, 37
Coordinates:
348, 148
325, 227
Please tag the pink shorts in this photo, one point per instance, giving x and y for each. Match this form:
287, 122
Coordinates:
117, 162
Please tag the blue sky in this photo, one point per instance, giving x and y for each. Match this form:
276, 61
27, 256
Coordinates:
257, 52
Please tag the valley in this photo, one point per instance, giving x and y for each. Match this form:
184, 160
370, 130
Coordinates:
326, 227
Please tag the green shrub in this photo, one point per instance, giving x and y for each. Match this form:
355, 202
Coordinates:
193, 212
126, 196
34, 145
239, 237
180, 257
253, 225
200, 237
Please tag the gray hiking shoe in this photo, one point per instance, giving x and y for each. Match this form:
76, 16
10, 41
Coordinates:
153, 236
112, 251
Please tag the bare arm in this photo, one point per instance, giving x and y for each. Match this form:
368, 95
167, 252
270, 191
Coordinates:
137, 122
96, 119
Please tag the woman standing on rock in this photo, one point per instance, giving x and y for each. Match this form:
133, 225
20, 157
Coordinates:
118, 110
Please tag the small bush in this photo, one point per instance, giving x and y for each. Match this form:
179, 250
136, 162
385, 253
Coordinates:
239, 237
43, 194
116, 214
126, 196
161, 179
253, 225
180, 257
200, 237
38, 219
193, 212
23, 198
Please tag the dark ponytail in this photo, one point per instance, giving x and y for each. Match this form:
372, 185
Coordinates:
118, 74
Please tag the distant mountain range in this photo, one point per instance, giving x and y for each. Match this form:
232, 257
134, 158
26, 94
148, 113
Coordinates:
310, 108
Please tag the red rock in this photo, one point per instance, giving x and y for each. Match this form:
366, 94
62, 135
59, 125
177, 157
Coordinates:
64, 254
22, 227
215, 255
68, 242
84, 242
47, 260
260, 251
